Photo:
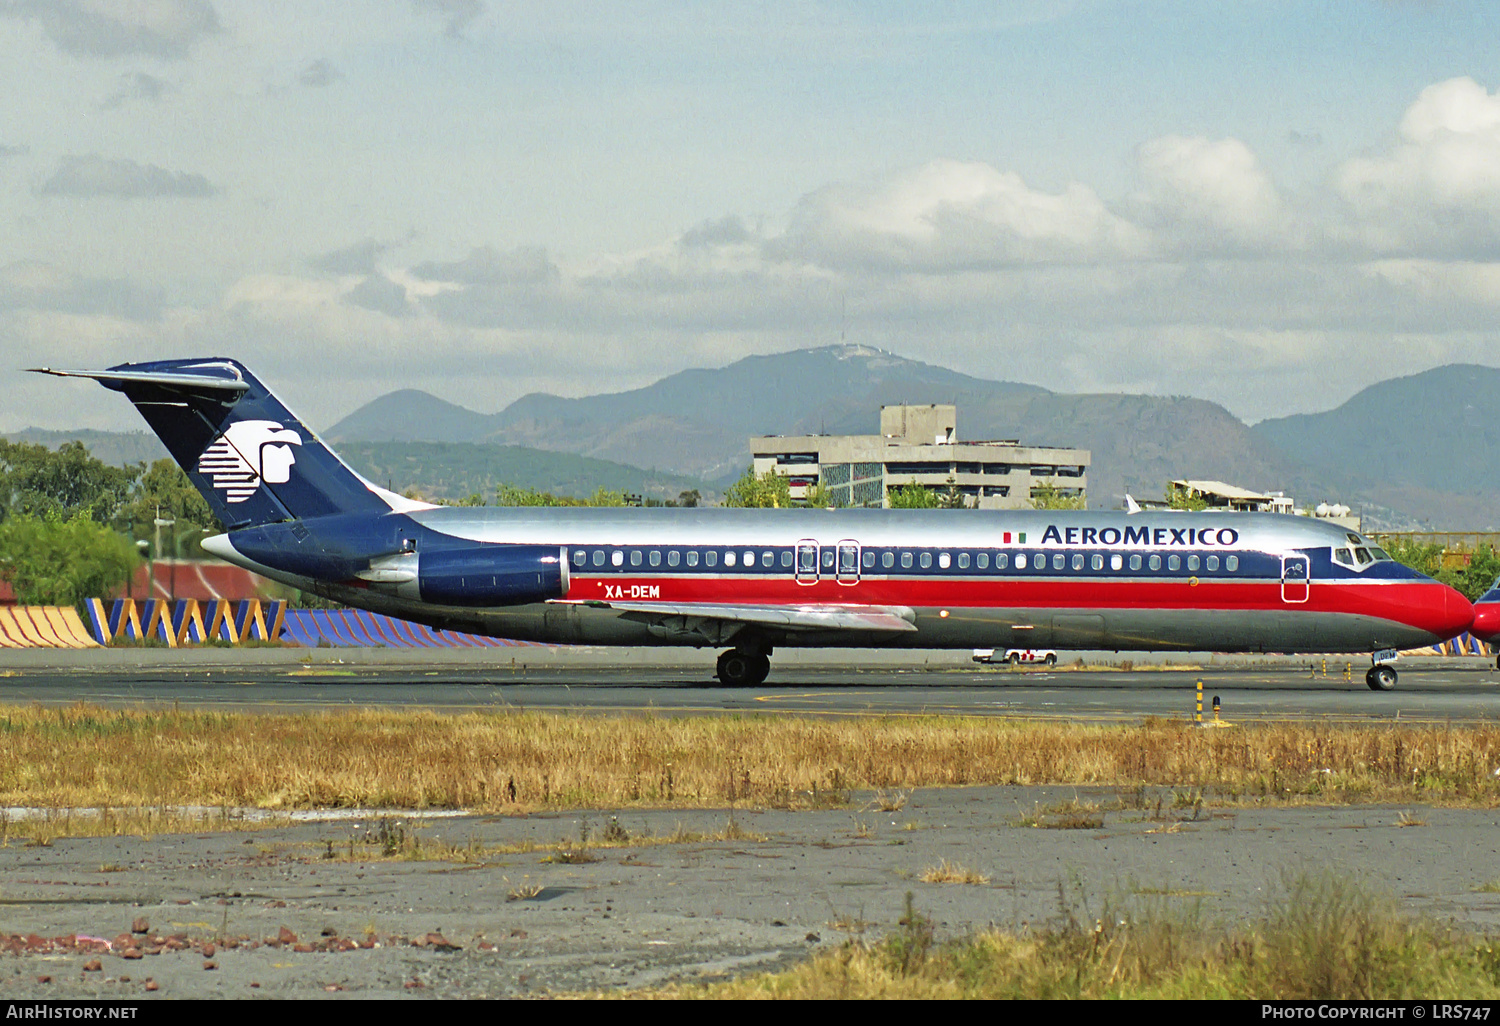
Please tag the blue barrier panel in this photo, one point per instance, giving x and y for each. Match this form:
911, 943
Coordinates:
299, 627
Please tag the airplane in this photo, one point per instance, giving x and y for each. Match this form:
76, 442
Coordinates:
755, 580
1486, 625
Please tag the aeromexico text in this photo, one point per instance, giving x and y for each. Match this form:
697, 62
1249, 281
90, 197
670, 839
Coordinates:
1155, 537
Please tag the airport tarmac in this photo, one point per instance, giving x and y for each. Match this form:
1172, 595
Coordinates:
1431, 689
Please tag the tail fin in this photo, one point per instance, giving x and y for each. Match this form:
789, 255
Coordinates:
251, 458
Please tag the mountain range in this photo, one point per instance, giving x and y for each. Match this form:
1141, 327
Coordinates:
1410, 452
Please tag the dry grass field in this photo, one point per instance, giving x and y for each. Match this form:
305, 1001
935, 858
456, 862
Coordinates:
86, 757
1325, 938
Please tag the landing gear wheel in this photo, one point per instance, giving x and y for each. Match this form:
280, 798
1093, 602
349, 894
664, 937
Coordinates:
738, 669
1381, 678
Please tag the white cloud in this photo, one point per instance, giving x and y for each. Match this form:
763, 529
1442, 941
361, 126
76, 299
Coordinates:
457, 13
1442, 281
1195, 185
116, 28
94, 175
1439, 187
950, 214
37, 286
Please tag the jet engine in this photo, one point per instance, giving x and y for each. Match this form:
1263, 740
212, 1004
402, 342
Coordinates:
492, 575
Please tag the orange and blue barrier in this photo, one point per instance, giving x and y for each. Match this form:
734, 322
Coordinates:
1464, 644
356, 628
191, 622
43, 627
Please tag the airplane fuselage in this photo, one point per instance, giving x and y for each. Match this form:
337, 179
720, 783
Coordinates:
1151, 581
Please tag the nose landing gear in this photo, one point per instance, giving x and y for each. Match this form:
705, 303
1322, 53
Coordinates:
741, 669
1381, 677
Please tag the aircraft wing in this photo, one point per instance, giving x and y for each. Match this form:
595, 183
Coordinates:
805, 618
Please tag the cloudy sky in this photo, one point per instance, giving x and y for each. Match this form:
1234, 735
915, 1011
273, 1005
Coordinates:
1268, 204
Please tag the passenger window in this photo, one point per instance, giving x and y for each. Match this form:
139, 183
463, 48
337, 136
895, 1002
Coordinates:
868, 559
1174, 563
1116, 561
887, 559
617, 557
598, 557
1213, 562
982, 560
827, 557
749, 559
1058, 560
655, 559
786, 559
673, 557
729, 558
1154, 562
1231, 563
1002, 559
711, 557
1192, 562
963, 561
692, 557
1135, 562
906, 560
768, 559
1097, 562
926, 560
580, 557
635, 557
1078, 561
944, 561
1020, 560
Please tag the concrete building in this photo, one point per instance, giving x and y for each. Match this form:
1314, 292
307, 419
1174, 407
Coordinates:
919, 444
1219, 495
1223, 496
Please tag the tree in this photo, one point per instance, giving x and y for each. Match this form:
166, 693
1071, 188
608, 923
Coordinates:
55, 560
820, 496
1049, 496
1181, 498
511, 495
1482, 573
913, 496
165, 492
38, 481
767, 491
951, 498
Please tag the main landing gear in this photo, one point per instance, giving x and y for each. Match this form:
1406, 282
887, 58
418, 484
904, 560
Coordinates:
739, 668
1381, 677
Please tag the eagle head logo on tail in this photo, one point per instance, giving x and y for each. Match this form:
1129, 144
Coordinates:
247, 453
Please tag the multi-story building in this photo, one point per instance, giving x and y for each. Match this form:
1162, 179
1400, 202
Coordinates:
919, 444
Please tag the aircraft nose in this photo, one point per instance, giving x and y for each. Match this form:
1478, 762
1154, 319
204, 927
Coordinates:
1458, 613
1486, 621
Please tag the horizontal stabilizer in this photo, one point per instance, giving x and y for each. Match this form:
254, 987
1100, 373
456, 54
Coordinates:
807, 618
216, 378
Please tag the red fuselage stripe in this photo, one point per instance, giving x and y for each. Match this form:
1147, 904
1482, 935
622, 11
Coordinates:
1419, 604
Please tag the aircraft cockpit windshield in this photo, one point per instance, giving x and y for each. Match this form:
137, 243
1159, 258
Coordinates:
1359, 553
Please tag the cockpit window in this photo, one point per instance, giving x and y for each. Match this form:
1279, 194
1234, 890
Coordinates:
1379, 553
1362, 556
